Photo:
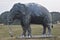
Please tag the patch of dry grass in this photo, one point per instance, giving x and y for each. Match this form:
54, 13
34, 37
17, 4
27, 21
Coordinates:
36, 30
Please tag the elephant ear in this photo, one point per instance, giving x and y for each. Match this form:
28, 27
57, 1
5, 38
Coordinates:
21, 8
24, 8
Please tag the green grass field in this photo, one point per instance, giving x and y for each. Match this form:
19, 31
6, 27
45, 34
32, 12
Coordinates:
36, 30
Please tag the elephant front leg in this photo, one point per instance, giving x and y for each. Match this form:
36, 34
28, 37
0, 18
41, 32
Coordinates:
29, 32
24, 32
49, 30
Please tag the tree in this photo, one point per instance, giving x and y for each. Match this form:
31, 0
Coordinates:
4, 16
55, 17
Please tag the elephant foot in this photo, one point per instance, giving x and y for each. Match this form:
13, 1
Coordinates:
46, 35
26, 36
22, 36
29, 36
43, 35
49, 33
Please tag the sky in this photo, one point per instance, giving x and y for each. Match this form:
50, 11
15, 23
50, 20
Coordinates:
51, 5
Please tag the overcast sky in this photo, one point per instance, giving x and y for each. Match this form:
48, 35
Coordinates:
51, 5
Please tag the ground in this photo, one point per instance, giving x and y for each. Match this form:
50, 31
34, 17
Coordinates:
36, 30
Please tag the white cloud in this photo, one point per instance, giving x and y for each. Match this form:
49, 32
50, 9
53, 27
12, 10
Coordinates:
51, 5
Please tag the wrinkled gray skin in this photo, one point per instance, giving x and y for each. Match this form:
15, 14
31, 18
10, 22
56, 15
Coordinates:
31, 14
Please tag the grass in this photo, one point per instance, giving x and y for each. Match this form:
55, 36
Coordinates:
36, 30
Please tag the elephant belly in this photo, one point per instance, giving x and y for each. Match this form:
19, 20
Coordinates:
36, 20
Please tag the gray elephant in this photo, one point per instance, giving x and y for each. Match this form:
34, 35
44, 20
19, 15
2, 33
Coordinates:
31, 13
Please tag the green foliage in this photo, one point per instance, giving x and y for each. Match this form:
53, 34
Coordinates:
0, 20
55, 17
3, 18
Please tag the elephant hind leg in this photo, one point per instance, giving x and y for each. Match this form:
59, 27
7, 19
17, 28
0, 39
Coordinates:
49, 29
46, 26
44, 29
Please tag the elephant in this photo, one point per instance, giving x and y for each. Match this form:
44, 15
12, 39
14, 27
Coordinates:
30, 13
